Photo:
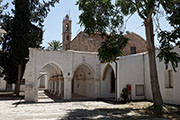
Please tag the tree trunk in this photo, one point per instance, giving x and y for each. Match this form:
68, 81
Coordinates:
157, 98
18, 84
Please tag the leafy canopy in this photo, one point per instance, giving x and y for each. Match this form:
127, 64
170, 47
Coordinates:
105, 16
167, 39
101, 16
24, 29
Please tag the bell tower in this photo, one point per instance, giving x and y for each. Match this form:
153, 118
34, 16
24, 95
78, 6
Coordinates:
66, 35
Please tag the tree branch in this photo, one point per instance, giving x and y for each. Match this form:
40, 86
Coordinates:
139, 13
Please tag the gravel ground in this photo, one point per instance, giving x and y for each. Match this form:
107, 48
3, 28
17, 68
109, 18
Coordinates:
46, 109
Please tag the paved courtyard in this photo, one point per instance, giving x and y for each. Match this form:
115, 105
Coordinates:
46, 109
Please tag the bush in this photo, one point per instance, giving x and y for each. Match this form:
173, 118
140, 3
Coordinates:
124, 95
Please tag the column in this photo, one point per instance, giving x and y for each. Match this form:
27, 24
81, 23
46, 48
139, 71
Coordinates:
48, 85
55, 85
60, 79
46, 81
31, 92
67, 88
59, 94
51, 85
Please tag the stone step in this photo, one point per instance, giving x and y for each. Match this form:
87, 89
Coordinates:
42, 95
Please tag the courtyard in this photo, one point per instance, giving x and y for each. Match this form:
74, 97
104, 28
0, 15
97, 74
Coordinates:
48, 109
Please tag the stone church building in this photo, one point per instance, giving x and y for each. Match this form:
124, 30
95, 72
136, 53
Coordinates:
75, 72
91, 43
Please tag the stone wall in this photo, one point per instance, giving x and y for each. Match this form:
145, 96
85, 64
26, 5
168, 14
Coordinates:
135, 41
82, 42
91, 43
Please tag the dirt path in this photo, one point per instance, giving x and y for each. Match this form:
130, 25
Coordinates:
47, 109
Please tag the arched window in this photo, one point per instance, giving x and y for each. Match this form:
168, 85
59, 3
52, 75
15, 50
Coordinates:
66, 28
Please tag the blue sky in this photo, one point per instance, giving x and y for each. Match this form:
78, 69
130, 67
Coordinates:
53, 23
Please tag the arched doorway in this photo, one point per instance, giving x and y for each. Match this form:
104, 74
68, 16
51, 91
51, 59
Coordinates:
108, 83
83, 83
51, 79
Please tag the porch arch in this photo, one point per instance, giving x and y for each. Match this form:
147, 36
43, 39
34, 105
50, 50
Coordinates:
54, 64
108, 82
83, 83
55, 79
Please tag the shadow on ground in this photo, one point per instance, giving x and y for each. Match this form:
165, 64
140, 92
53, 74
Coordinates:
116, 114
107, 114
4, 95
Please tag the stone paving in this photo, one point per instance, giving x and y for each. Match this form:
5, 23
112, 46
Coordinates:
47, 109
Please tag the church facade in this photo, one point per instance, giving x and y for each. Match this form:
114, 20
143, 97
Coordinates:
75, 72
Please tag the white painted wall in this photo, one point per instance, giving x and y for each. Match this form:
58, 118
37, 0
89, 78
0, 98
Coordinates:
67, 61
84, 82
131, 72
42, 82
85, 87
2, 84
169, 95
132, 69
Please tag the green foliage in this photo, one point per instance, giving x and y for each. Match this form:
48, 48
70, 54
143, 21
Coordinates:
103, 17
54, 45
166, 52
40, 9
24, 29
169, 39
112, 47
124, 95
96, 14
126, 6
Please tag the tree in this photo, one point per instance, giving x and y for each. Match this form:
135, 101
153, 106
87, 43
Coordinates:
24, 29
95, 18
110, 49
95, 15
54, 45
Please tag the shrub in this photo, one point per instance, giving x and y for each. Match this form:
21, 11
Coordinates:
124, 95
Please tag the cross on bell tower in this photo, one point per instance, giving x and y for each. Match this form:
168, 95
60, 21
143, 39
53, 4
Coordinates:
66, 35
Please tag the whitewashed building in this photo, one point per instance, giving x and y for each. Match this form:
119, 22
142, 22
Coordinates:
74, 73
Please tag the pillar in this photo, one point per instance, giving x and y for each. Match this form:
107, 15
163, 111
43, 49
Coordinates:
48, 85
55, 85
31, 89
46, 81
67, 88
59, 87
51, 85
